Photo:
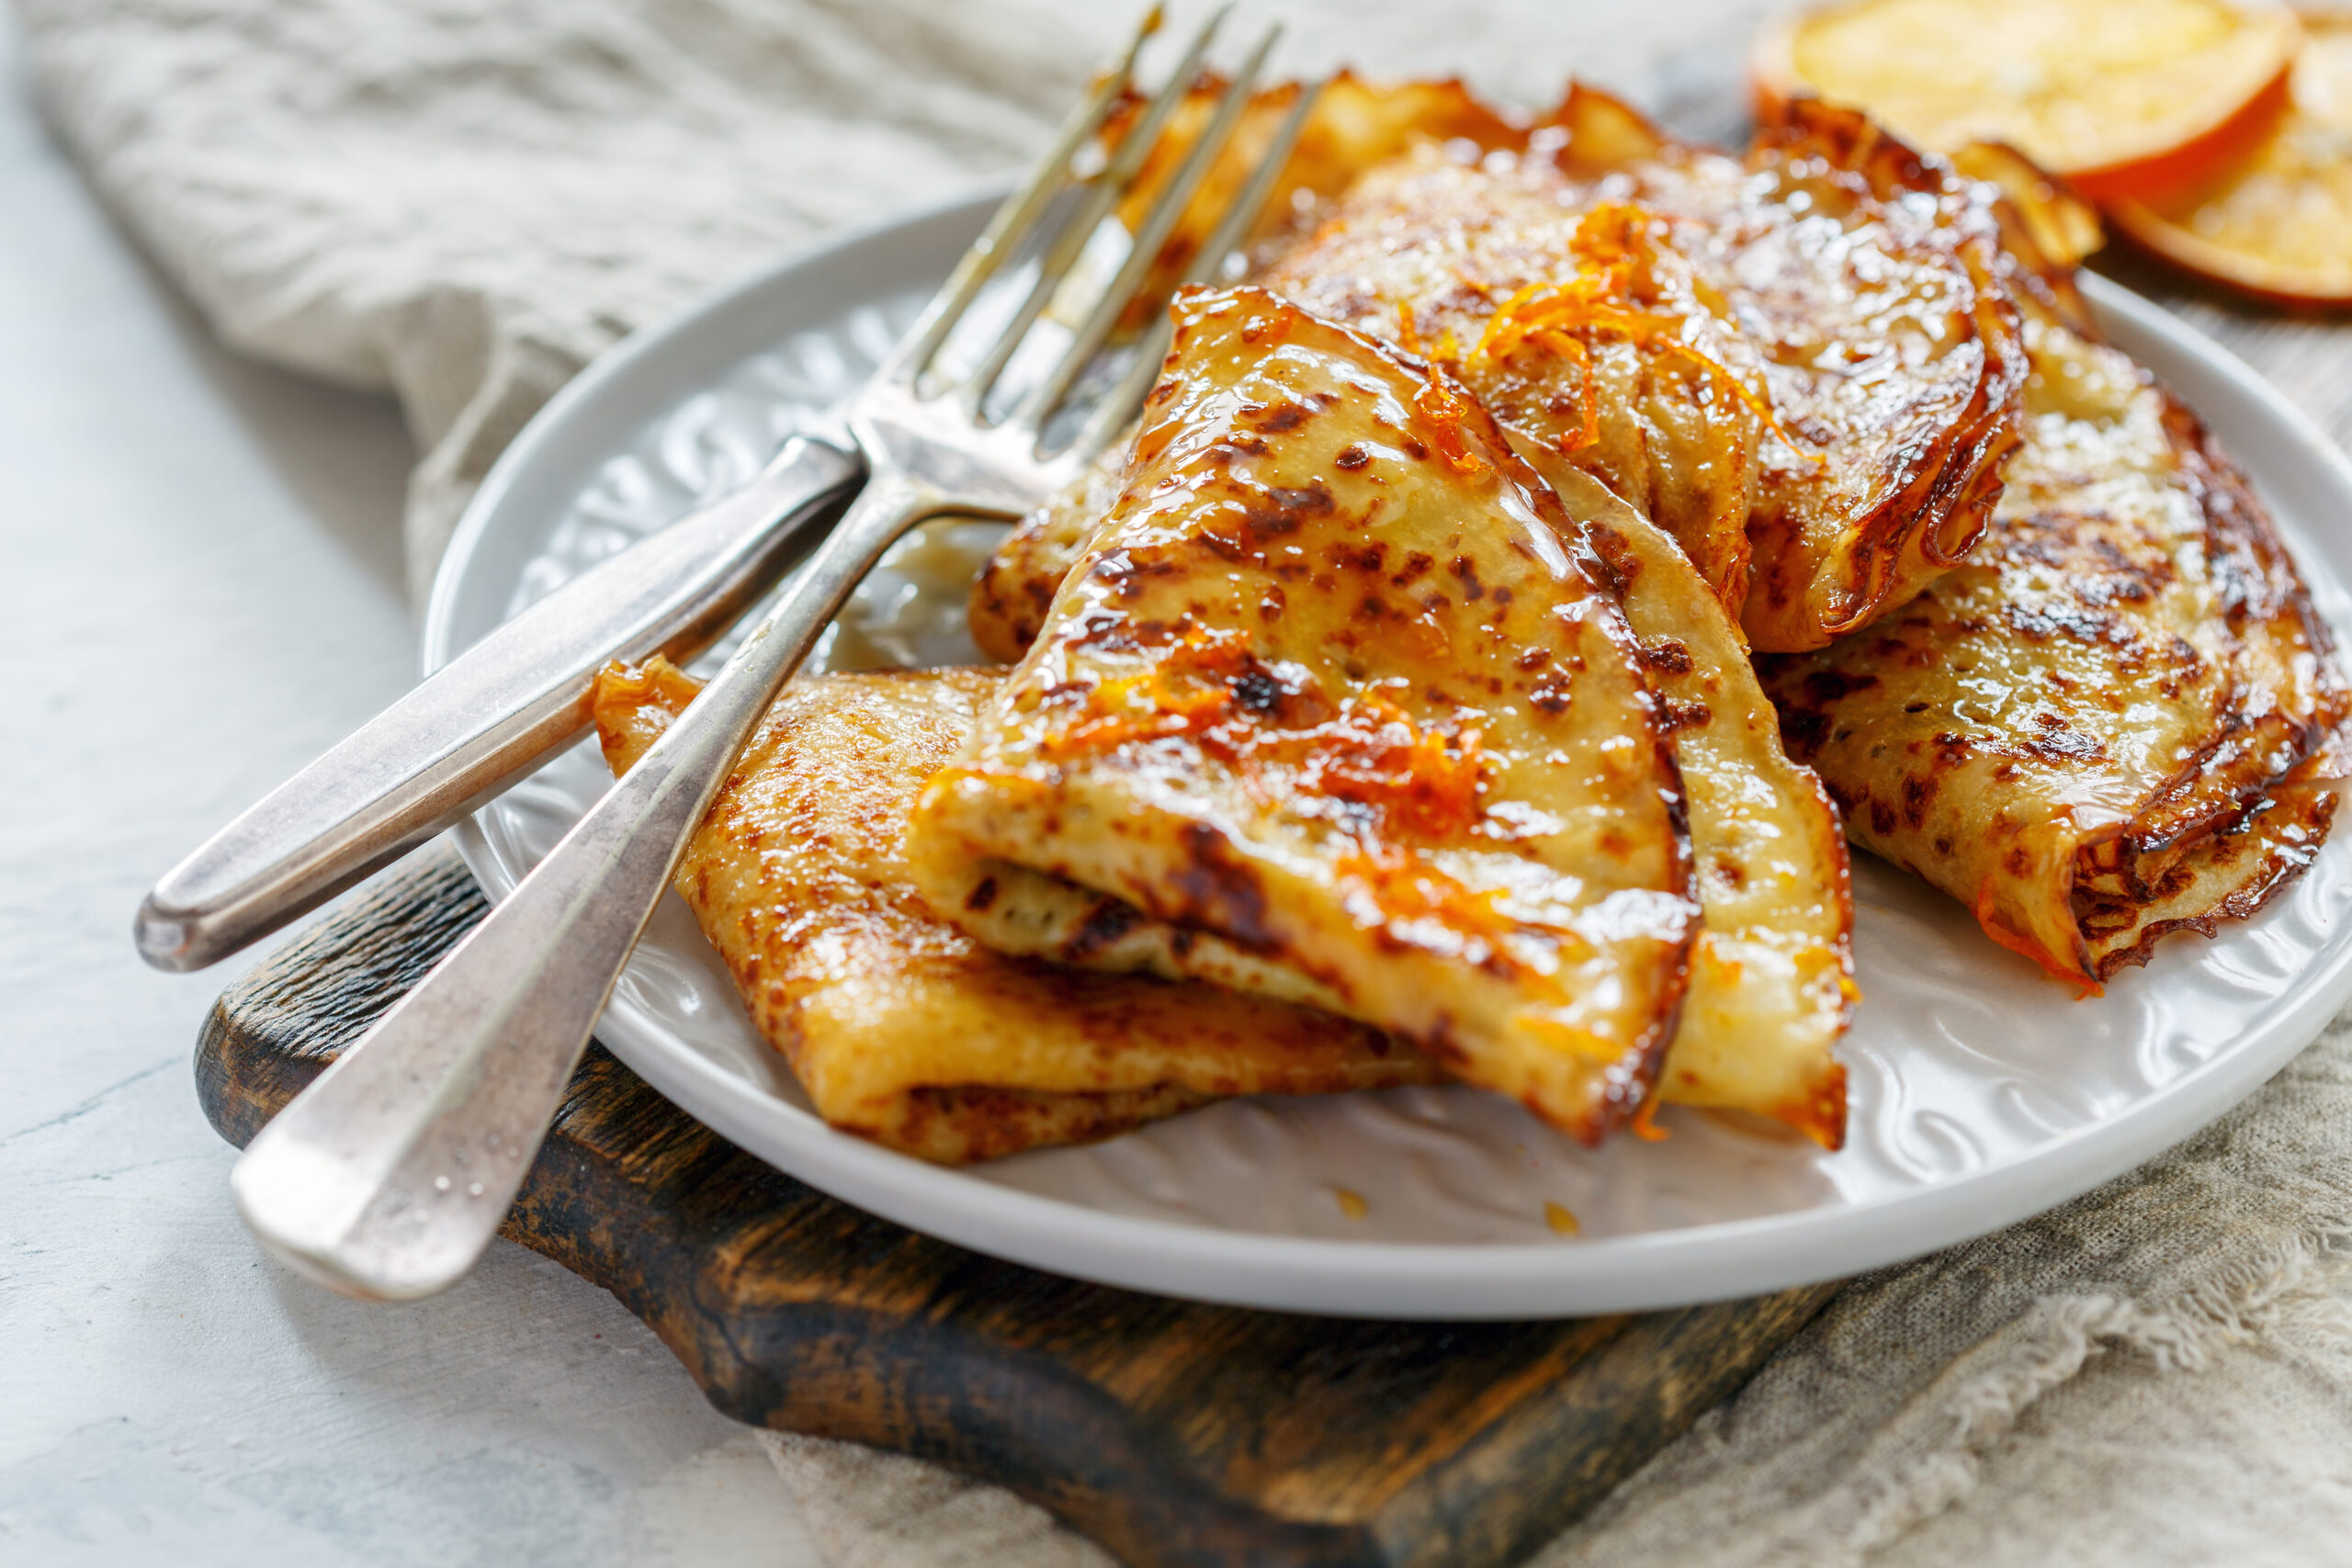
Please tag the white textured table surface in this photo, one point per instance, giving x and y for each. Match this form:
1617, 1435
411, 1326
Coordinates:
202, 590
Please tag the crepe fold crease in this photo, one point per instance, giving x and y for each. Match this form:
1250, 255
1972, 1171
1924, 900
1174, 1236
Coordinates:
898, 1026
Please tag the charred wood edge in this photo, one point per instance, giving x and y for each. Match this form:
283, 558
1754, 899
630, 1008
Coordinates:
1175, 1434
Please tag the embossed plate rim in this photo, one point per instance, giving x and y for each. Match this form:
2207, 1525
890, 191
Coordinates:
603, 408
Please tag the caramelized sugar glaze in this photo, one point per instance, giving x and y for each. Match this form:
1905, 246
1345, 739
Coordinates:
1810, 366
1346, 704
1395, 683
899, 1027
2116, 718
1798, 363
1338, 682
1803, 364
1769, 987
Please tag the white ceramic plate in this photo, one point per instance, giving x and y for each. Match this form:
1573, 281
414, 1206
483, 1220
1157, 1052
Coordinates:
1981, 1091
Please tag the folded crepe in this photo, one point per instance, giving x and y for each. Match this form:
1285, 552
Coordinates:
1571, 316
1770, 979
1870, 281
1803, 362
899, 1027
2118, 717
1771, 984
1341, 694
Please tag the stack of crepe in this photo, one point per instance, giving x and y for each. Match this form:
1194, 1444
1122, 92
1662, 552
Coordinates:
1385, 711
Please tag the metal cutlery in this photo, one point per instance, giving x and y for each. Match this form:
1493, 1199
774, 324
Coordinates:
388, 1176
491, 715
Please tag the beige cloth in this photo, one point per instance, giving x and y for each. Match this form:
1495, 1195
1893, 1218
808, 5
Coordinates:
464, 203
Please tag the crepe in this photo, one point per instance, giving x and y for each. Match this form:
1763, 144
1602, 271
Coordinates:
1771, 987
1573, 319
2116, 719
1016, 588
1771, 983
1341, 685
899, 1028
1802, 363
1871, 282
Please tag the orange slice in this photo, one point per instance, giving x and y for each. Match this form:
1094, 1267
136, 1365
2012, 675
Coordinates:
2123, 97
2278, 225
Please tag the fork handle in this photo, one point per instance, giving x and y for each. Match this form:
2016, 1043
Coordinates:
489, 716
389, 1175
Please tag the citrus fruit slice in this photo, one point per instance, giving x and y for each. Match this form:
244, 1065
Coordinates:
2123, 97
2280, 223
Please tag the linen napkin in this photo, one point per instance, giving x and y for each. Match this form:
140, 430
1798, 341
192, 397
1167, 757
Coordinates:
464, 204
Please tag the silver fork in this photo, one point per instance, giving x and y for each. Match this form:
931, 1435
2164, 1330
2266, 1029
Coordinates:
387, 1178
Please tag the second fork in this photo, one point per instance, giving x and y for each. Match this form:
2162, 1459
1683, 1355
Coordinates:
387, 1178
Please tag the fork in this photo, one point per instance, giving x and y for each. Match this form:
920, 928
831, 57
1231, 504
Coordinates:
496, 712
387, 1178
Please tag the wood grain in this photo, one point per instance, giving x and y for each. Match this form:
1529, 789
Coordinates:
1173, 1433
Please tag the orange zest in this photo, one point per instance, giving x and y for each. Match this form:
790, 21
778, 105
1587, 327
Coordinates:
1440, 403
1756, 405
1184, 694
1424, 781
1614, 247
1407, 338
1373, 754
1139, 707
1445, 407
1581, 1041
1404, 887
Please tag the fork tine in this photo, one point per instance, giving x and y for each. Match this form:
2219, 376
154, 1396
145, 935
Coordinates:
1150, 236
1020, 212
1103, 191
1118, 406
1234, 227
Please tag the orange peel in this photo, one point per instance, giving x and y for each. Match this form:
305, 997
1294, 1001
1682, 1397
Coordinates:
2124, 98
2279, 224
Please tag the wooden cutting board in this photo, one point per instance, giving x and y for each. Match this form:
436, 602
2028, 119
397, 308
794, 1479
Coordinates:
1170, 1432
